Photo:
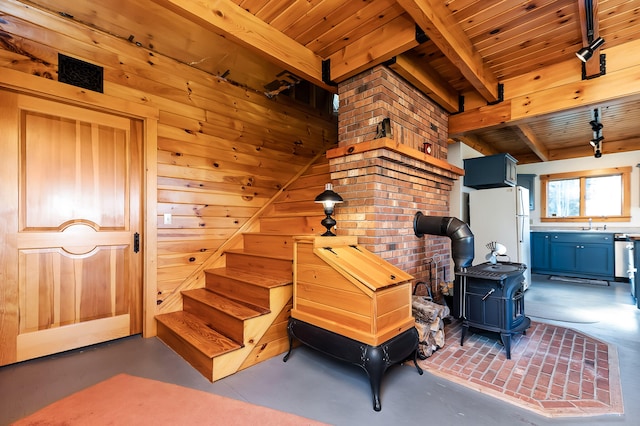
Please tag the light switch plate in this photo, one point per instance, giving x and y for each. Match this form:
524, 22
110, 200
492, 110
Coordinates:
167, 218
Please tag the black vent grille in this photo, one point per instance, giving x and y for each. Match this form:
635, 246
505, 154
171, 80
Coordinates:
79, 73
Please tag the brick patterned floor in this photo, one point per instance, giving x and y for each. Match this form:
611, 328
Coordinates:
554, 371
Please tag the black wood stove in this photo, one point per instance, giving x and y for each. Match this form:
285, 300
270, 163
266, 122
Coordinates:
491, 297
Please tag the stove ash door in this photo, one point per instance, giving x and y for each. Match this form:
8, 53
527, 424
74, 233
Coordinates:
484, 304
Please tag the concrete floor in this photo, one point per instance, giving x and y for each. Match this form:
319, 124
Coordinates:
315, 386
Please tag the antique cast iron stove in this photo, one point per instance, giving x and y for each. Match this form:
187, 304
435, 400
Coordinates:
486, 296
491, 298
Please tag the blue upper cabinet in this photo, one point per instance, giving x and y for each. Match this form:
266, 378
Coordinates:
528, 181
492, 171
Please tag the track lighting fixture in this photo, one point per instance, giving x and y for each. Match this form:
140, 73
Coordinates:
587, 52
596, 126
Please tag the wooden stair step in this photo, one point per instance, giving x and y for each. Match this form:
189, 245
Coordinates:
305, 193
256, 279
258, 254
283, 217
280, 234
317, 181
197, 334
250, 284
230, 307
295, 224
269, 265
307, 205
273, 244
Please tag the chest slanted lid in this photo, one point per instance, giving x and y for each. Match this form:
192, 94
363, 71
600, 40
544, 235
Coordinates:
357, 262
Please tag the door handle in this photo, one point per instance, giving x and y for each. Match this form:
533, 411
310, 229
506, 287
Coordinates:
136, 242
489, 293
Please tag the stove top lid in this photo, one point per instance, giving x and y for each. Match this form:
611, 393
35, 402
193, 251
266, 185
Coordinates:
494, 271
499, 267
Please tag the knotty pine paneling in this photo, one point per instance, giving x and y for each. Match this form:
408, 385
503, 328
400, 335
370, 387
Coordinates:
223, 150
149, 24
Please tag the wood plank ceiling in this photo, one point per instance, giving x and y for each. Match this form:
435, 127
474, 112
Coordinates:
459, 52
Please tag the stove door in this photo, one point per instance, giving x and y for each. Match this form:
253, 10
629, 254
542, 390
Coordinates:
483, 304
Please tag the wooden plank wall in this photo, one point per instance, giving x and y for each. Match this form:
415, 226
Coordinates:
221, 148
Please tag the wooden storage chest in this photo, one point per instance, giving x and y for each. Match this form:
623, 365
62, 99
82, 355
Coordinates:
344, 288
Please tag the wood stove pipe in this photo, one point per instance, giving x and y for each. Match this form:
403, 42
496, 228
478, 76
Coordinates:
461, 236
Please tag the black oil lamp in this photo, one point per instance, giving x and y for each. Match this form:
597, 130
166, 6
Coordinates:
329, 199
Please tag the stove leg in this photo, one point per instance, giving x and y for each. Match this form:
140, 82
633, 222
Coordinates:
415, 362
506, 341
465, 328
290, 334
375, 365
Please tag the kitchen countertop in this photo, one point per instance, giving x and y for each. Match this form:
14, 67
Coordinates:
630, 231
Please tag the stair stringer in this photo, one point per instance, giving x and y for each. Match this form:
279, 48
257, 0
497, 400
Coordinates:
255, 328
264, 336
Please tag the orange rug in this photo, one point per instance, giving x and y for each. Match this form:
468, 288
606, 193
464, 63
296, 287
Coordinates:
554, 371
130, 400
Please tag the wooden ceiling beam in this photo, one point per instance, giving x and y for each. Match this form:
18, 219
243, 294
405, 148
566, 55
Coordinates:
475, 142
427, 81
382, 44
585, 8
580, 94
585, 150
232, 22
525, 133
433, 17
485, 117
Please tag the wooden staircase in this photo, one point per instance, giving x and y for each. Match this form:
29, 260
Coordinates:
240, 316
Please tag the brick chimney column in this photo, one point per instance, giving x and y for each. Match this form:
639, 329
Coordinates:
384, 179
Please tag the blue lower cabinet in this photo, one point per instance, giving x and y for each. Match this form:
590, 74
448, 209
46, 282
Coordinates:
540, 259
596, 259
576, 254
564, 257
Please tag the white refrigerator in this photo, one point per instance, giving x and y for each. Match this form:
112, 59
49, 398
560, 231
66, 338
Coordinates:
501, 215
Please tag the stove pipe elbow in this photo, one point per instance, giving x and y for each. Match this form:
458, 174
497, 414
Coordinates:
461, 236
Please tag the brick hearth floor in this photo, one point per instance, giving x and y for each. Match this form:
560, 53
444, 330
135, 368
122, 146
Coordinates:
554, 371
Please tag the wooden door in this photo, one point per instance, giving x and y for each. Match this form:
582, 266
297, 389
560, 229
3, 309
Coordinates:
71, 275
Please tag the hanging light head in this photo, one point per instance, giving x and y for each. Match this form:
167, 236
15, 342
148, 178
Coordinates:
597, 151
587, 52
596, 142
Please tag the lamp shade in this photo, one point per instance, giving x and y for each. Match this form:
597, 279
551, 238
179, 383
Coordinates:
596, 140
587, 52
329, 197
584, 54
